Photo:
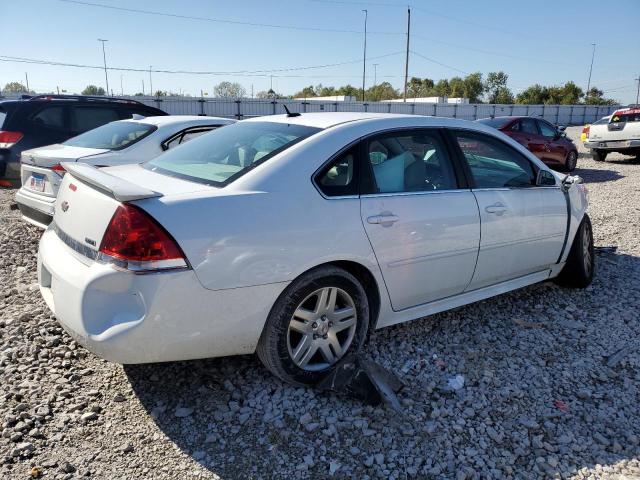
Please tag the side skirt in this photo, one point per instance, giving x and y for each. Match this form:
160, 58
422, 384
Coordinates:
420, 311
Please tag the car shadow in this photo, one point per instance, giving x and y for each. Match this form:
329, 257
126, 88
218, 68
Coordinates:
541, 394
596, 175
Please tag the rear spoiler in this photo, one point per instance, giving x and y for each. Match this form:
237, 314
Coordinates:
118, 188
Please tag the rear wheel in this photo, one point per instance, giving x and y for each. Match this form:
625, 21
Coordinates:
320, 318
571, 161
578, 271
599, 155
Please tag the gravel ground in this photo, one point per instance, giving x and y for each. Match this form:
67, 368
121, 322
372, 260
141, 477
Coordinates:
551, 385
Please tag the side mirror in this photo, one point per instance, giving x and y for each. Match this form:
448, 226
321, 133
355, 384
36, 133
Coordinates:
562, 128
545, 179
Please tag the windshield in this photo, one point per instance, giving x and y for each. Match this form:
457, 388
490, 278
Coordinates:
112, 136
219, 157
498, 122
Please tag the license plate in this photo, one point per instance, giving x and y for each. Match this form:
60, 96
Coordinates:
617, 144
37, 182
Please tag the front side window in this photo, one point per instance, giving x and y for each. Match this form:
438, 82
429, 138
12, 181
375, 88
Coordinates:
547, 130
88, 118
410, 162
112, 136
228, 153
494, 164
51, 117
339, 177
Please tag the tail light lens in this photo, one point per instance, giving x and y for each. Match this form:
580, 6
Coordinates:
59, 169
585, 130
9, 139
135, 241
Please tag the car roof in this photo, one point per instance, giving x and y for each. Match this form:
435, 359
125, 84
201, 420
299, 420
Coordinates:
325, 119
166, 120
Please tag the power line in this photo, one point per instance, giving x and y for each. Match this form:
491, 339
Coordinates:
221, 20
438, 63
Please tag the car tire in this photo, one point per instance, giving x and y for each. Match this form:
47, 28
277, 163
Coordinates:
571, 161
598, 155
298, 317
578, 271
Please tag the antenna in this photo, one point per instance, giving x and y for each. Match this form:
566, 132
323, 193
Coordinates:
289, 113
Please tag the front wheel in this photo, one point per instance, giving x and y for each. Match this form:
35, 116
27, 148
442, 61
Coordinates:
571, 161
578, 271
599, 155
316, 321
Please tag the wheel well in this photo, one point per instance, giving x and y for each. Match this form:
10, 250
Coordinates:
368, 282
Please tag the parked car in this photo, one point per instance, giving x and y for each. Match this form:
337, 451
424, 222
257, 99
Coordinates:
47, 119
546, 141
620, 134
585, 130
116, 143
295, 235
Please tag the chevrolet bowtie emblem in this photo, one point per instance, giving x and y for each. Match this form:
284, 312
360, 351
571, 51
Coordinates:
65, 206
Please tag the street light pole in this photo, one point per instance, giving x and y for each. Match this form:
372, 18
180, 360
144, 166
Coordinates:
375, 74
638, 92
104, 59
406, 64
364, 58
150, 82
121, 89
593, 53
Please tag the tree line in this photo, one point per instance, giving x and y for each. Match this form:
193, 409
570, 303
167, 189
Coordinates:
492, 89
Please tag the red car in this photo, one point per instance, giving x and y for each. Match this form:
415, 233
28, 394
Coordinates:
546, 141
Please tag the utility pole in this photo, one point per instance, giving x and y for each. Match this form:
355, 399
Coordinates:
593, 53
364, 58
638, 92
150, 82
143, 87
58, 88
26, 77
121, 89
406, 63
104, 59
271, 83
375, 74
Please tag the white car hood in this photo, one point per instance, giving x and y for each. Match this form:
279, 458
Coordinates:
52, 154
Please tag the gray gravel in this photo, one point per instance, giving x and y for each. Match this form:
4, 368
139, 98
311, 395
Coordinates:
551, 385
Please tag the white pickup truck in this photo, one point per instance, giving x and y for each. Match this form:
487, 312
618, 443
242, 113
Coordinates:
621, 134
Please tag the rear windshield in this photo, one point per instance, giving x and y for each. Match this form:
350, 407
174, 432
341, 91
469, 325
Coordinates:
112, 136
498, 122
219, 157
626, 117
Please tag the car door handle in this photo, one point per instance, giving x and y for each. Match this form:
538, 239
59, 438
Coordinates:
497, 208
383, 219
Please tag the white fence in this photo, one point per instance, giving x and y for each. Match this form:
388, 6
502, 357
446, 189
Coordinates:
246, 108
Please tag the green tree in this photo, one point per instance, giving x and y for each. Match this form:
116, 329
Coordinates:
306, 92
350, 90
456, 87
382, 91
92, 90
14, 87
442, 88
229, 90
420, 87
534, 95
473, 87
596, 97
495, 87
503, 96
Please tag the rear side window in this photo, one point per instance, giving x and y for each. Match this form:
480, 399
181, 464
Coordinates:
409, 162
51, 117
494, 164
112, 136
526, 126
340, 177
88, 118
227, 153
3, 115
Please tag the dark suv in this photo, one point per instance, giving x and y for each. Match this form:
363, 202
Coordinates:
46, 119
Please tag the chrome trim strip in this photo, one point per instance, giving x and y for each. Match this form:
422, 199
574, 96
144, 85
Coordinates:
493, 246
74, 244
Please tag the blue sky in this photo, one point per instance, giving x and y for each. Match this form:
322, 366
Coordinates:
546, 42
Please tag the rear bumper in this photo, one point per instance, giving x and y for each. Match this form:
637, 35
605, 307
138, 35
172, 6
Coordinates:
613, 145
129, 318
35, 209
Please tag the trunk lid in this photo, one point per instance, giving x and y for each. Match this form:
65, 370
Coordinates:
51, 155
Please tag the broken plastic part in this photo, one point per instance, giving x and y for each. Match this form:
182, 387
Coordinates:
364, 380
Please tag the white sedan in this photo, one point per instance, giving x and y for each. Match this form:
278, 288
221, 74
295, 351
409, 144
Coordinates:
117, 143
293, 236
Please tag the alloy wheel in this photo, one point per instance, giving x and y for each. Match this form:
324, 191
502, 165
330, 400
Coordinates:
321, 329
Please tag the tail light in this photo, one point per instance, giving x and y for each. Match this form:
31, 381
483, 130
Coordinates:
135, 241
9, 139
59, 169
585, 130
